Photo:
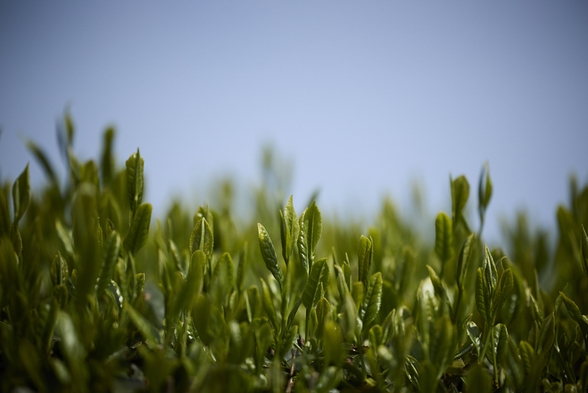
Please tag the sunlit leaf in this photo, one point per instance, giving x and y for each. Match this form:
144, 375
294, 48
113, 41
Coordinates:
268, 254
139, 229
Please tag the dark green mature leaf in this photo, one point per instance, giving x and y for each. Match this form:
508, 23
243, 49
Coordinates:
202, 238
139, 229
135, 180
311, 226
268, 254
289, 229
443, 238
372, 300
21, 194
365, 256
110, 258
317, 279
460, 192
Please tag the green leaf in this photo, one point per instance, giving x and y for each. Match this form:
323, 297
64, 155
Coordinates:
372, 300
268, 305
499, 343
190, 290
323, 309
365, 256
135, 180
502, 290
241, 268
318, 277
333, 344
442, 344
109, 262
268, 254
289, 229
443, 238
584, 251
202, 238
139, 229
484, 190
143, 325
460, 192
85, 236
478, 380
546, 335
4, 215
107, 159
59, 270
481, 295
44, 161
463, 260
311, 226
21, 194
527, 356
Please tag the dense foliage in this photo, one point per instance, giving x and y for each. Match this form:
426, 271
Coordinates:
96, 296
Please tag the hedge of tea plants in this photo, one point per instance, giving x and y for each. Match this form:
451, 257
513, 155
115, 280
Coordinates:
96, 295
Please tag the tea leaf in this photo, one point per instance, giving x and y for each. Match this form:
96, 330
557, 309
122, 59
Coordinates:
463, 260
584, 251
142, 325
139, 229
318, 277
499, 342
364, 259
311, 226
289, 229
202, 238
269, 254
109, 261
135, 180
481, 295
372, 300
21, 194
44, 161
443, 238
460, 192
478, 380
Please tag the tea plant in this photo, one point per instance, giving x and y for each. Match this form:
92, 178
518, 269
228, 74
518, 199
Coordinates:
96, 296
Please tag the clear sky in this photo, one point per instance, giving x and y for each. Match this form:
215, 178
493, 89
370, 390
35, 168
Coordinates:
361, 96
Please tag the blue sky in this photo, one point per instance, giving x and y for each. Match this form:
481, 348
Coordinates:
362, 97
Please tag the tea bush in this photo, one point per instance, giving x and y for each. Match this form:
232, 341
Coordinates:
96, 296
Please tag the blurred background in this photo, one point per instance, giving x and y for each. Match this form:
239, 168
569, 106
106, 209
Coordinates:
357, 99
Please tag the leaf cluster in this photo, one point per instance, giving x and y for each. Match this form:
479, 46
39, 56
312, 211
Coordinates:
96, 296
